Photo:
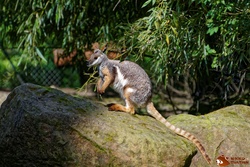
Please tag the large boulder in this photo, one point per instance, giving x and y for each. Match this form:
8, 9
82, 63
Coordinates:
44, 127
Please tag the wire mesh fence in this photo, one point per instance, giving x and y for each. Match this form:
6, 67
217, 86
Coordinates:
38, 75
43, 76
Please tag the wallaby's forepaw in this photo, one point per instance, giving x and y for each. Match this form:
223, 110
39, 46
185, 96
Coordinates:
100, 91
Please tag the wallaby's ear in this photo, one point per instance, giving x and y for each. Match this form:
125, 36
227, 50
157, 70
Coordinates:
97, 51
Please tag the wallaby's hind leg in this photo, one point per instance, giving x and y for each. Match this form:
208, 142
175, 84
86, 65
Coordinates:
129, 108
119, 107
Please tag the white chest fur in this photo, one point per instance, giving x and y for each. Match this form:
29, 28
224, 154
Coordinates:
120, 82
100, 71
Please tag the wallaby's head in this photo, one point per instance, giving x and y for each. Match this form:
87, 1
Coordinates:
96, 58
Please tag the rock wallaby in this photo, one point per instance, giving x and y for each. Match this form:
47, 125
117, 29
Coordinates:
134, 86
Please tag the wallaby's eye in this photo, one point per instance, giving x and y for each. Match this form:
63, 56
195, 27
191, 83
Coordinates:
96, 51
95, 58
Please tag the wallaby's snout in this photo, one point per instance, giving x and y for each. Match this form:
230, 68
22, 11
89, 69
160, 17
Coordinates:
92, 61
96, 58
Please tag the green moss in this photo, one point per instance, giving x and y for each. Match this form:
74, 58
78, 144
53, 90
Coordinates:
91, 141
81, 110
108, 138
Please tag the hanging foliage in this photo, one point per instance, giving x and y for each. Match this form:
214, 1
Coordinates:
33, 24
206, 40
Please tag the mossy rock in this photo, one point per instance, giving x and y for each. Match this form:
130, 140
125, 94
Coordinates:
44, 127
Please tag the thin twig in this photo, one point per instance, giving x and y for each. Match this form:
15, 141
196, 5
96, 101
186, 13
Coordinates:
116, 5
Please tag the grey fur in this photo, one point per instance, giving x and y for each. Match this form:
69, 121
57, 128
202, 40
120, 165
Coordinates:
137, 78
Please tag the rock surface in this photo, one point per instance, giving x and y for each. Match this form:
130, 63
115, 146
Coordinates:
45, 127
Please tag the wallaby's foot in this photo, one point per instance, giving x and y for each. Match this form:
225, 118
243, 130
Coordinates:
118, 107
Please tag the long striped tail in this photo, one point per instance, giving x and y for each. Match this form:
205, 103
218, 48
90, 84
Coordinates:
153, 112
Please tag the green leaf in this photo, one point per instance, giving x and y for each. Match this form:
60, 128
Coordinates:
153, 2
215, 63
40, 54
212, 30
146, 3
209, 50
174, 30
167, 39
